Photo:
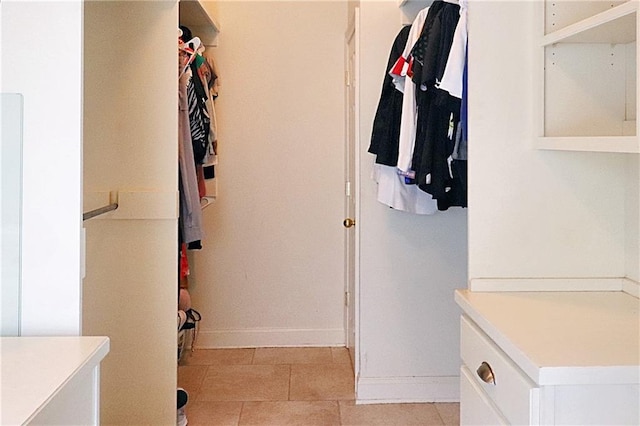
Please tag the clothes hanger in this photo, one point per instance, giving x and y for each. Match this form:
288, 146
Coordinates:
191, 48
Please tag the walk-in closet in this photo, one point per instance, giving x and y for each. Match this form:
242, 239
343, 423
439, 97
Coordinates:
271, 271
298, 247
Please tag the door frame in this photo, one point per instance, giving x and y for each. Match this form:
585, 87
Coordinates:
352, 189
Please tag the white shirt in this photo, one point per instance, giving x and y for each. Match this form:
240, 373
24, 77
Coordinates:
393, 192
452, 77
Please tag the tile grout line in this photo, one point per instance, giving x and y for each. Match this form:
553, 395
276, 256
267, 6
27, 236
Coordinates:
339, 412
204, 376
289, 391
240, 414
438, 413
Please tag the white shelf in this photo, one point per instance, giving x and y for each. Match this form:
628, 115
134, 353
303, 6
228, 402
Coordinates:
616, 25
195, 15
587, 80
621, 144
206, 202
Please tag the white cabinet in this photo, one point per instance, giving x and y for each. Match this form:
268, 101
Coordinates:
51, 380
554, 358
587, 76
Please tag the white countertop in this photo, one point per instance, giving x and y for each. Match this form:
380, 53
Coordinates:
32, 369
560, 338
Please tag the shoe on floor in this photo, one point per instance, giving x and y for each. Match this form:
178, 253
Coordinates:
181, 419
181, 416
182, 319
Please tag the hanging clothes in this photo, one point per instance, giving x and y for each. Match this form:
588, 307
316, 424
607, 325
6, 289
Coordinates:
190, 212
438, 111
452, 76
392, 189
213, 84
454, 81
429, 73
198, 116
386, 124
460, 148
401, 74
200, 104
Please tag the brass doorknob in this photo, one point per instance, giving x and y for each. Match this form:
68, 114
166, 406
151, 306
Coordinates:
486, 373
348, 222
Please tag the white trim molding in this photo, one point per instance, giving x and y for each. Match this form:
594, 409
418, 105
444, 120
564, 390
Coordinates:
380, 390
269, 337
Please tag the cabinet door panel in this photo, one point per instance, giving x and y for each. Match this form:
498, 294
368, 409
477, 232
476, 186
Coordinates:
597, 405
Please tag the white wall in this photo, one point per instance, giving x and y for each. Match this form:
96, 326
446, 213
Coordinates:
10, 211
534, 213
271, 270
410, 265
51, 82
130, 146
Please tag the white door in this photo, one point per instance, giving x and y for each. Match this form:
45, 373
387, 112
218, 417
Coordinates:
351, 190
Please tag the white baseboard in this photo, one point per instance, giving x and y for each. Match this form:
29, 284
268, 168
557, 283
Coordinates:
631, 287
269, 337
382, 390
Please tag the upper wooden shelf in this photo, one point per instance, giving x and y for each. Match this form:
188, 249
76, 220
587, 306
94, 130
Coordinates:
616, 25
195, 15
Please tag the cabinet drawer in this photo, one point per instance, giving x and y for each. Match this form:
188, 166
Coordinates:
475, 406
515, 395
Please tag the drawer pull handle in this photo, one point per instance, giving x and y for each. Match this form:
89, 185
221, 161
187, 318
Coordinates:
486, 373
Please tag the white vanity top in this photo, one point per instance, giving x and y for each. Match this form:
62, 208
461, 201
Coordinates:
32, 369
561, 338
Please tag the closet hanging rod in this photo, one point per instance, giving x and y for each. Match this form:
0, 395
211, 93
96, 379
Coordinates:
98, 212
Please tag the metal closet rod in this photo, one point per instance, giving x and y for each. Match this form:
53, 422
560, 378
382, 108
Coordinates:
98, 212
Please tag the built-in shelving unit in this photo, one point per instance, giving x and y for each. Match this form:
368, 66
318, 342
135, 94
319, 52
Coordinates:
615, 25
588, 76
200, 20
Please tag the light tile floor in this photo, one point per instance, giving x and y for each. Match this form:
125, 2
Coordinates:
288, 386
